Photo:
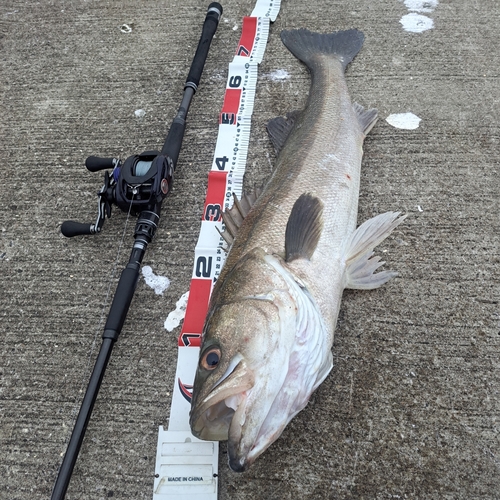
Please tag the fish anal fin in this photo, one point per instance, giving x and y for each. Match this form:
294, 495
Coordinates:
366, 117
360, 260
279, 129
303, 228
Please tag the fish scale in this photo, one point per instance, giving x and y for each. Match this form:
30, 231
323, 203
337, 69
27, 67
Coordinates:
327, 129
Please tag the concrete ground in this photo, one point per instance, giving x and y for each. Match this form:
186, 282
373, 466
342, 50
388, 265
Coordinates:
412, 406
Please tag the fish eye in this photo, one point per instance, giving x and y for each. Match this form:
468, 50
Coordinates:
210, 358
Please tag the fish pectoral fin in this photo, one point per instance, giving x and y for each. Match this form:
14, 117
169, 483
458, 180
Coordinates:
279, 129
303, 228
361, 262
366, 117
234, 216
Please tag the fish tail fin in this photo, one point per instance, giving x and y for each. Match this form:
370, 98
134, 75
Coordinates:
306, 45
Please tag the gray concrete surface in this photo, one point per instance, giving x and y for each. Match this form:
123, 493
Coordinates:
412, 407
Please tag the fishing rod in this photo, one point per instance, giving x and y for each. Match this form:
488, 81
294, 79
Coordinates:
138, 186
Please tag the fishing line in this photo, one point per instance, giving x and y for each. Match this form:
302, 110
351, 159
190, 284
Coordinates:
104, 308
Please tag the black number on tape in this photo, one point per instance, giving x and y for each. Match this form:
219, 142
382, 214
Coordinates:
221, 162
243, 51
235, 81
228, 118
213, 212
203, 267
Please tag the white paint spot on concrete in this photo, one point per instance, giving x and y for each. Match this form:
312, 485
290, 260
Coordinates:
407, 121
174, 318
278, 75
126, 28
158, 283
421, 5
139, 113
416, 23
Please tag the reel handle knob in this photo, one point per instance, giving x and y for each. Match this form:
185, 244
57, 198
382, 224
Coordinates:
71, 228
96, 163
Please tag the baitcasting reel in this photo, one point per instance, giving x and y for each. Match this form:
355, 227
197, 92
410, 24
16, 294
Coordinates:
140, 183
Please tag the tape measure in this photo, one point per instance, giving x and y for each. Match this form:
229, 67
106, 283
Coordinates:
186, 465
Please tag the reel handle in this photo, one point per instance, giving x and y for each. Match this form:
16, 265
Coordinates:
96, 163
71, 228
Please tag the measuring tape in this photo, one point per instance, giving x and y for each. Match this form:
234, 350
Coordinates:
185, 465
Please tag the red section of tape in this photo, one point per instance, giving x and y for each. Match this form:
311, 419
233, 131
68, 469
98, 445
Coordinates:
216, 191
200, 289
230, 107
196, 311
247, 38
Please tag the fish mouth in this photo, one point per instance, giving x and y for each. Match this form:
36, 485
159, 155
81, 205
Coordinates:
224, 415
212, 418
247, 443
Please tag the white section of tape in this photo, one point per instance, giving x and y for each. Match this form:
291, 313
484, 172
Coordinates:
267, 8
187, 361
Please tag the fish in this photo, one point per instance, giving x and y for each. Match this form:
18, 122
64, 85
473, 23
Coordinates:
294, 247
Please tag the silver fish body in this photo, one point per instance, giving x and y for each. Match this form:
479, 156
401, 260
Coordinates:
269, 330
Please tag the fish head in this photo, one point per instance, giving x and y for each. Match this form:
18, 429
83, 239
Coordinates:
244, 360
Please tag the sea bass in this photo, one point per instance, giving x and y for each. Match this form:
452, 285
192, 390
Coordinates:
269, 330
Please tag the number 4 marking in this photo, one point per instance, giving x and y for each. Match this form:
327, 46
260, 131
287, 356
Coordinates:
221, 162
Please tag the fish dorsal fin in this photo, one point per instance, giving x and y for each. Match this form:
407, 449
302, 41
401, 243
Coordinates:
366, 117
279, 129
303, 228
234, 216
360, 260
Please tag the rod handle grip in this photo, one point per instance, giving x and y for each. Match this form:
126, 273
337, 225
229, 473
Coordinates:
71, 228
173, 142
96, 163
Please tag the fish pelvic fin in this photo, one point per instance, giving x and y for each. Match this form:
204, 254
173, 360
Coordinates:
306, 45
360, 261
366, 117
279, 129
303, 228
